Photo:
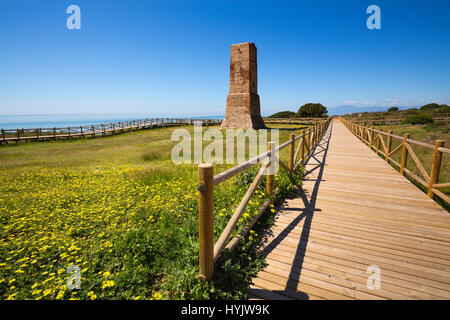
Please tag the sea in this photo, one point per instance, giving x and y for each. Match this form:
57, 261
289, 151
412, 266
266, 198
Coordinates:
76, 120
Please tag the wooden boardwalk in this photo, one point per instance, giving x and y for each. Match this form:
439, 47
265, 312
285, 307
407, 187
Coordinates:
355, 211
92, 131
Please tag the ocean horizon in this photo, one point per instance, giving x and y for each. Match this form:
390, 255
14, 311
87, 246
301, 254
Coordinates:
76, 120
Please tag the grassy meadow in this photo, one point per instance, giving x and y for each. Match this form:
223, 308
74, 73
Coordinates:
119, 210
426, 133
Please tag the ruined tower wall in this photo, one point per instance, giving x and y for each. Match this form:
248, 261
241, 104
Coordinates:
243, 106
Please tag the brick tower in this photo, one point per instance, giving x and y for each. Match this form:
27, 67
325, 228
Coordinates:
243, 109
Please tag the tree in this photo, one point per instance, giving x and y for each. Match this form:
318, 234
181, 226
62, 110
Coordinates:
312, 110
283, 114
393, 109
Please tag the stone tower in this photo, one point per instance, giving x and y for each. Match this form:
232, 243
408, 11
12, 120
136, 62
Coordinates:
243, 109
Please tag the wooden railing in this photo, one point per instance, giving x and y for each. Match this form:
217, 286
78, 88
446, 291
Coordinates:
295, 120
18, 135
376, 141
209, 252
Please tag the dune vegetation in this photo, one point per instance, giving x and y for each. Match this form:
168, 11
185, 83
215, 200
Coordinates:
119, 212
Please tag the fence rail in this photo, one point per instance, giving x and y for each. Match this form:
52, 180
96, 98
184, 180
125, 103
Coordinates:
383, 146
41, 134
209, 252
295, 120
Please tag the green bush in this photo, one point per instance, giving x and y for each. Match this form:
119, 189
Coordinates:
418, 119
431, 106
283, 114
245, 178
411, 111
393, 109
445, 109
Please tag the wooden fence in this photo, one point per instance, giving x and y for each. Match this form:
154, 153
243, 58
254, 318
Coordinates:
295, 120
209, 252
383, 146
41, 134
391, 120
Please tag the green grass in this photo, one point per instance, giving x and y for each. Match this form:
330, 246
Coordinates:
119, 209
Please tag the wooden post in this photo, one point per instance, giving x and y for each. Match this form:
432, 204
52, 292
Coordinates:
291, 151
378, 144
435, 167
93, 131
302, 148
315, 136
3, 136
68, 130
54, 133
404, 154
270, 176
206, 220
388, 145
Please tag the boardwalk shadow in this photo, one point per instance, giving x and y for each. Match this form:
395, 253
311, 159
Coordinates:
316, 164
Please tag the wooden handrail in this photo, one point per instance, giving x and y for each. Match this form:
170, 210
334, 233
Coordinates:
295, 120
429, 181
206, 194
227, 174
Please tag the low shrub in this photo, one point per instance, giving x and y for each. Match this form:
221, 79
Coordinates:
418, 119
441, 127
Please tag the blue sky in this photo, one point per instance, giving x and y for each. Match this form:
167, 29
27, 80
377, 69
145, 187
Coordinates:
172, 57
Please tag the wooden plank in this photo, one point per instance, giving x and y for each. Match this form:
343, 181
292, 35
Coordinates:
261, 293
391, 288
365, 246
367, 236
318, 253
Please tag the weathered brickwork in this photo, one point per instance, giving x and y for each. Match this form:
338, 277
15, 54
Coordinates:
243, 108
